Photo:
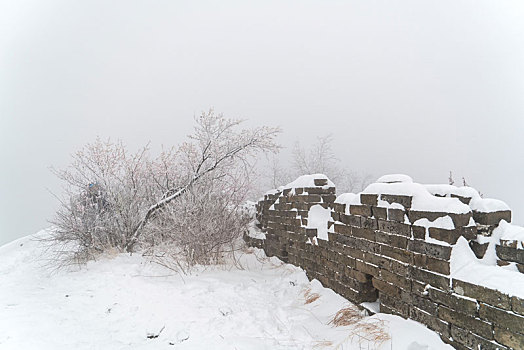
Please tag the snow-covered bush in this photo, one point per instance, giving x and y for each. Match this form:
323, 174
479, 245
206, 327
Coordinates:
188, 197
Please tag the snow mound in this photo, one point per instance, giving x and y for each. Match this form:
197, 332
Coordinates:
477, 203
465, 266
318, 218
422, 200
309, 181
128, 302
394, 178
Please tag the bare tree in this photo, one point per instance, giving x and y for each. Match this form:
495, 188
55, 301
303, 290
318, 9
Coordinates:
114, 198
215, 147
318, 157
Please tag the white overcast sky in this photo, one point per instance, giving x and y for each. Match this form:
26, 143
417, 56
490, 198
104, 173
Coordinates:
415, 87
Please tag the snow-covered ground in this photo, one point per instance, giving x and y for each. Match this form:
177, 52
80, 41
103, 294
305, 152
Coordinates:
117, 302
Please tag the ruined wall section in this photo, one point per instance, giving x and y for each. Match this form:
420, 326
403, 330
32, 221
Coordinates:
376, 251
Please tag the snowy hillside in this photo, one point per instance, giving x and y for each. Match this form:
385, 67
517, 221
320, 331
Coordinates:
126, 302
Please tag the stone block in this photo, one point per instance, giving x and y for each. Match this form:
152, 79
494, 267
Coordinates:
347, 219
394, 227
464, 321
430, 321
396, 214
428, 277
365, 233
342, 229
361, 210
364, 267
368, 199
370, 223
387, 288
502, 318
478, 249
517, 305
414, 215
510, 254
397, 280
399, 306
391, 239
397, 254
492, 218
431, 249
419, 232
420, 302
377, 260
483, 294
472, 341
508, 338
320, 182
454, 302
448, 236
379, 212
437, 265
405, 201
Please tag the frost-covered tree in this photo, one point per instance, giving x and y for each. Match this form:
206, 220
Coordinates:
317, 158
118, 199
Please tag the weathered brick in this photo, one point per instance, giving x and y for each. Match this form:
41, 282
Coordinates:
466, 306
461, 320
396, 214
431, 249
414, 215
396, 304
362, 210
441, 234
478, 249
436, 265
391, 239
502, 318
510, 254
370, 223
435, 280
379, 212
483, 294
394, 227
419, 232
397, 280
351, 220
368, 199
492, 218
365, 233
430, 321
378, 260
320, 182
508, 338
472, 341
405, 201
420, 302
397, 254
343, 229
517, 305
386, 288
366, 268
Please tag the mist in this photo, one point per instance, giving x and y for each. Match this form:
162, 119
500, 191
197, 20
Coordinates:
420, 88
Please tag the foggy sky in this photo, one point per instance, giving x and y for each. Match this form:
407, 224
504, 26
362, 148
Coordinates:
415, 87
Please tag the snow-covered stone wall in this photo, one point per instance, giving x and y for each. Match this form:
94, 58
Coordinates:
439, 254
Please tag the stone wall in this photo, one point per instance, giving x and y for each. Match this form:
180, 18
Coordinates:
375, 252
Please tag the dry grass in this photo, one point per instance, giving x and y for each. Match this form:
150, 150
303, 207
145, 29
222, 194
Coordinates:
310, 297
370, 330
346, 317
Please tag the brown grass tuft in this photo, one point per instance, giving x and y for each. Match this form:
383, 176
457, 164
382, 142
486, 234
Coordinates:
368, 330
309, 296
346, 317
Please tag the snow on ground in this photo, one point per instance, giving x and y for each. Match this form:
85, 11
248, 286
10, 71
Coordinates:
116, 302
